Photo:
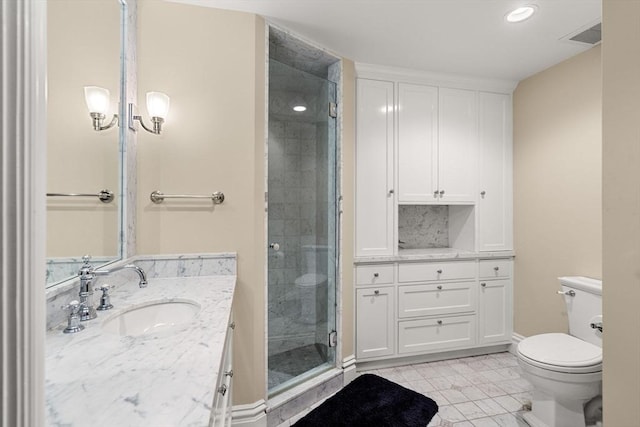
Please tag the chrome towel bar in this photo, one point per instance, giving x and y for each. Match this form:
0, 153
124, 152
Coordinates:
105, 196
158, 197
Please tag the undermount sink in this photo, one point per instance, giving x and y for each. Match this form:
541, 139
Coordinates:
157, 317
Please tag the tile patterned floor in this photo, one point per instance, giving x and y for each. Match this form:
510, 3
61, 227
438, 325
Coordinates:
481, 391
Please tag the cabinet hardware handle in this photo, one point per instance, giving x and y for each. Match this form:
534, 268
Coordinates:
392, 191
232, 325
435, 194
439, 322
376, 275
439, 287
441, 193
229, 373
377, 292
439, 271
484, 285
496, 268
222, 389
482, 193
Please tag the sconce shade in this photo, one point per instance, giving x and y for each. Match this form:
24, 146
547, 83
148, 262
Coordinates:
158, 104
97, 99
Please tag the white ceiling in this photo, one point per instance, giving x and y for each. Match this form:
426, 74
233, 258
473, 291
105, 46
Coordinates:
468, 37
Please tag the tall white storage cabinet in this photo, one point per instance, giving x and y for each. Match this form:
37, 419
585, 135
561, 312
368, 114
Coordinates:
495, 216
434, 242
374, 168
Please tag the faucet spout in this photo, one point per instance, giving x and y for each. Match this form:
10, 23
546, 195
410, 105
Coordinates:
143, 276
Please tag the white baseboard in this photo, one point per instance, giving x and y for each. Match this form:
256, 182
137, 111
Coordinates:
349, 369
515, 338
250, 415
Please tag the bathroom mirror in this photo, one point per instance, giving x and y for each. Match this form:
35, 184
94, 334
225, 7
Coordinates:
83, 49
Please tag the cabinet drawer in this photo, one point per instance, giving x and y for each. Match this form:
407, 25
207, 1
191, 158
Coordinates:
434, 299
499, 268
374, 274
436, 334
432, 271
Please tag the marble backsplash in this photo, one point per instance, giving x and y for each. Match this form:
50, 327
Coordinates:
421, 227
155, 266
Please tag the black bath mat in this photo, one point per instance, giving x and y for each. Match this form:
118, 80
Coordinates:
372, 401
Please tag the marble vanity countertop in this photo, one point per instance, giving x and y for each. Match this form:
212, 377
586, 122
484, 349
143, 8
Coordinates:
97, 378
433, 254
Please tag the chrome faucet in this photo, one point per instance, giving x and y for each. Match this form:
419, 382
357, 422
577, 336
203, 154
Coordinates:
88, 274
143, 276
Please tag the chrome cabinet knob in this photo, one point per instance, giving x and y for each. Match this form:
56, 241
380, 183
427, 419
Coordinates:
439, 322
484, 285
376, 275
229, 373
482, 193
391, 192
274, 246
376, 292
222, 389
439, 287
496, 268
441, 193
439, 271
435, 194
570, 293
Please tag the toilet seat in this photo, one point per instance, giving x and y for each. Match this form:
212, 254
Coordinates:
561, 353
310, 280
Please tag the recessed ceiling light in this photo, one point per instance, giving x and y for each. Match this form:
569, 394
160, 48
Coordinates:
521, 14
299, 108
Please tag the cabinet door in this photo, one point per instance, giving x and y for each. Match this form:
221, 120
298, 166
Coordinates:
457, 145
496, 312
417, 143
375, 322
374, 168
495, 222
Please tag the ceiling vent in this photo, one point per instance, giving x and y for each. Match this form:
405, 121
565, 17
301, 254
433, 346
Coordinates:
591, 36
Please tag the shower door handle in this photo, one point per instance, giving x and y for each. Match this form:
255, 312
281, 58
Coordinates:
274, 246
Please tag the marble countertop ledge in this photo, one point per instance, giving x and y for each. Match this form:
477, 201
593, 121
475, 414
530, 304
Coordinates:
433, 254
96, 378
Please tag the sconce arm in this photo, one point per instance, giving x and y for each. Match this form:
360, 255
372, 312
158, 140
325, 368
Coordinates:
98, 119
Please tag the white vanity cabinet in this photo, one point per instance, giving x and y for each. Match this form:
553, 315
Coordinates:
375, 321
495, 301
495, 217
437, 144
375, 201
411, 309
222, 401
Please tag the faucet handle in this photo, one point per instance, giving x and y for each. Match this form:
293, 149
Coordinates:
73, 323
105, 299
86, 268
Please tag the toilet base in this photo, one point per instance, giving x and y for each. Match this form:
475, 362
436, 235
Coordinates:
548, 412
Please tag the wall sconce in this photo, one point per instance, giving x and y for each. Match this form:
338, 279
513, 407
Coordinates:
98, 100
157, 107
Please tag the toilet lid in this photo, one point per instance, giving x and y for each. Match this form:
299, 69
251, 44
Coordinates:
311, 279
561, 350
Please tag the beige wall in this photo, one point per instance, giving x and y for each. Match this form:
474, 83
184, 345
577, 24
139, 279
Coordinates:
621, 213
79, 159
557, 187
348, 205
211, 63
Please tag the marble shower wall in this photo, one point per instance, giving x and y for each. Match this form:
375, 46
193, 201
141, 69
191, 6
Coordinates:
421, 227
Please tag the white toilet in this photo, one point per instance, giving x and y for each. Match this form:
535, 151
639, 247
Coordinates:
566, 370
313, 283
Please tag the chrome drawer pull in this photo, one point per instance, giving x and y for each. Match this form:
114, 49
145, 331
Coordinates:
376, 292
376, 275
222, 389
484, 285
496, 268
439, 322
439, 271
439, 287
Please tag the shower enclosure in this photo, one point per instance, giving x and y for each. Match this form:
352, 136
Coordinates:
302, 228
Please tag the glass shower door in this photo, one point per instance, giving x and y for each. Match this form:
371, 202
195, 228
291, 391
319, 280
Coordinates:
301, 226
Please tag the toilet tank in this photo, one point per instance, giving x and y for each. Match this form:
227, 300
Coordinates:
315, 258
584, 308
